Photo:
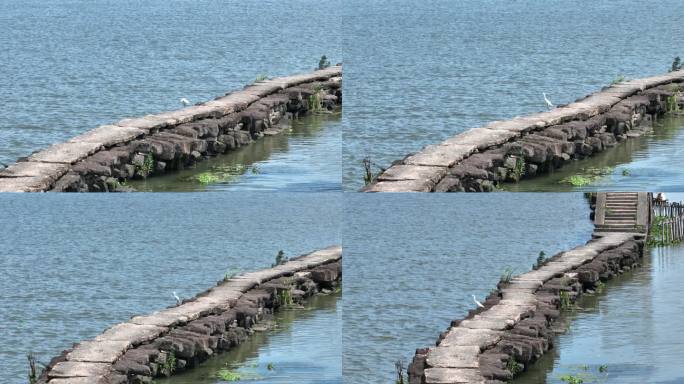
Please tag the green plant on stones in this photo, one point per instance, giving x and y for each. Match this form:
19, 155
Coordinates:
323, 62
519, 170
618, 79
316, 100
600, 286
280, 259
541, 259
368, 175
228, 375
146, 167
572, 379
261, 77
565, 302
33, 373
513, 366
231, 273
169, 365
676, 64
507, 275
399, 368
285, 297
672, 104
659, 234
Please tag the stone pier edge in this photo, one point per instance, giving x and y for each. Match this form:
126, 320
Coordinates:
423, 171
40, 171
495, 343
92, 361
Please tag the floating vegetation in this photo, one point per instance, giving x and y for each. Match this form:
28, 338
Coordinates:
270, 366
588, 176
219, 174
587, 375
255, 169
228, 375
626, 172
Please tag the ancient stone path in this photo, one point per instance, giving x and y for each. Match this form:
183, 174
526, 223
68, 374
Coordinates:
94, 361
492, 344
475, 160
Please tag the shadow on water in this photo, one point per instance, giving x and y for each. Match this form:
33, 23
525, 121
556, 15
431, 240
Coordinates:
304, 157
649, 162
305, 347
630, 332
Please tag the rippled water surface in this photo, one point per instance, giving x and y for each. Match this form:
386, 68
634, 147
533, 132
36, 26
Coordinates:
412, 262
69, 66
419, 71
650, 162
633, 328
72, 265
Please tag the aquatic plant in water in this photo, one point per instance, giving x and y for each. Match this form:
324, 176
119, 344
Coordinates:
261, 77
33, 374
618, 79
588, 176
323, 62
507, 275
399, 368
676, 64
228, 375
219, 174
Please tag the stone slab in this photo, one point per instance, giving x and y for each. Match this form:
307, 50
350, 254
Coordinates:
66, 153
80, 380
79, 369
483, 138
109, 135
135, 334
481, 338
98, 351
454, 357
453, 376
402, 186
481, 323
401, 172
24, 184
444, 155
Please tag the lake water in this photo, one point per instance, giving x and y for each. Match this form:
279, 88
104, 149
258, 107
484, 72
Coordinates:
69, 66
73, 265
418, 72
306, 158
633, 328
650, 162
306, 347
412, 261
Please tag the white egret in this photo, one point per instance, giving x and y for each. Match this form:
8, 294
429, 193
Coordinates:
548, 102
178, 299
185, 101
477, 302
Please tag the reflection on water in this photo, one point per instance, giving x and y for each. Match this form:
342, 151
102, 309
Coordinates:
633, 329
649, 162
305, 348
304, 157
413, 260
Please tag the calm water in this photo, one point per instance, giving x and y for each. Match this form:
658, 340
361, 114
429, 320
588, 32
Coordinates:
307, 158
72, 265
419, 71
71, 65
412, 262
634, 328
650, 162
306, 347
